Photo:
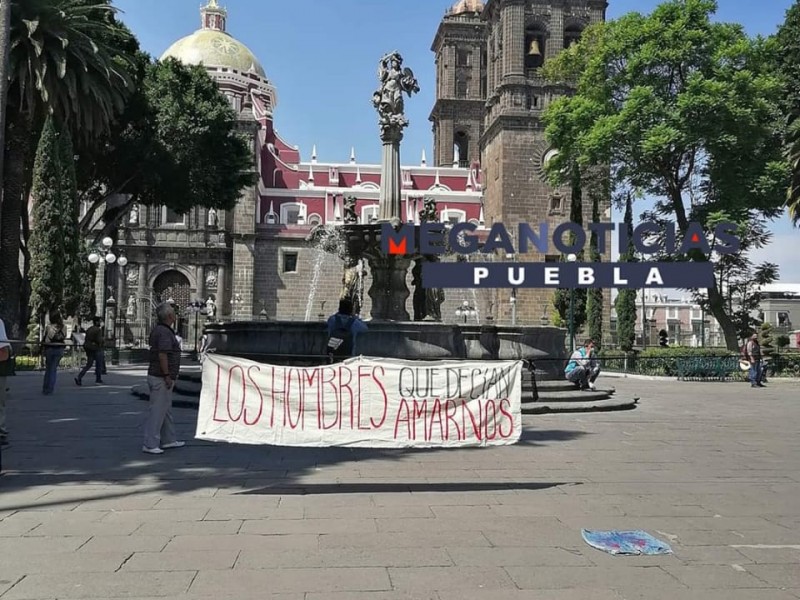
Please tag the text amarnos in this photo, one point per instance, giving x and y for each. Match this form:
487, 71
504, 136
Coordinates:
372, 403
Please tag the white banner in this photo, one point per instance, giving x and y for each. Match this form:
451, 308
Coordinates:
363, 402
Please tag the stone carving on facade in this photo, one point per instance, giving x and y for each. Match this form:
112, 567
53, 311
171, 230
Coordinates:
350, 213
213, 221
211, 277
211, 307
133, 218
131, 312
133, 275
430, 213
388, 99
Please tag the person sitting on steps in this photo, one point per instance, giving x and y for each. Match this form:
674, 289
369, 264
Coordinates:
583, 367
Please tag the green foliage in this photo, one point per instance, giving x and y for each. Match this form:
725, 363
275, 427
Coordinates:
47, 240
73, 262
782, 342
683, 108
765, 339
594, 298
55, 243
564, 298
625, 303
176, 145
789, 48
70, 58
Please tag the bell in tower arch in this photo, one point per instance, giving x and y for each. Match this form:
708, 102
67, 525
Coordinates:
534, 49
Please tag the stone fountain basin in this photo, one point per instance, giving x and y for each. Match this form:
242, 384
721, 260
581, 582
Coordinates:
304, 343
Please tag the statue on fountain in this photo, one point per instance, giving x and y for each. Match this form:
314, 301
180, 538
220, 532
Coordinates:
427, 302
350, 214
430, 213
350, 281
395, 81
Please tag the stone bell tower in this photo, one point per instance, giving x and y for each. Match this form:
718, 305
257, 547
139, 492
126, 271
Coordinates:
521, 36
457, 116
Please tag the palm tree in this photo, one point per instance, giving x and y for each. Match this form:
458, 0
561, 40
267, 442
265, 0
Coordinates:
68, 59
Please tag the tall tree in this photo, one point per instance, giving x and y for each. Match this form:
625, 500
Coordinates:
626, 298
594, 296
47, 235
175, 145
73, 261
5, 47
685, 109
563, 298
789, 48
68, 58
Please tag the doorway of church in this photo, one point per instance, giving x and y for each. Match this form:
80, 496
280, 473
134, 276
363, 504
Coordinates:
174, 286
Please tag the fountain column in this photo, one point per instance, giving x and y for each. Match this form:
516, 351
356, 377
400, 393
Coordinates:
390, 204
389, 291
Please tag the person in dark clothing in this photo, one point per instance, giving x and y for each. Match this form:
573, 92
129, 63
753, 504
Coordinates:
753, 352
55, 344
343, 330
95, 354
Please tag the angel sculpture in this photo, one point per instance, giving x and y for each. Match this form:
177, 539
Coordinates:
388, 100
350, 214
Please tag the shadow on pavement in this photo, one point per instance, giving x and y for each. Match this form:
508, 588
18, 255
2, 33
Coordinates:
89, 440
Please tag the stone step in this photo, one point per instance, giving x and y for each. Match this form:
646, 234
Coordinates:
571, 396
539, 408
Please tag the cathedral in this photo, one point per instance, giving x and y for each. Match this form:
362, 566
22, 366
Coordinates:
257, 261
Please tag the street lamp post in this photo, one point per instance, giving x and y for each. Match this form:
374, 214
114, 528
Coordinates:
465, 310
572, 258
104, 253
196, 307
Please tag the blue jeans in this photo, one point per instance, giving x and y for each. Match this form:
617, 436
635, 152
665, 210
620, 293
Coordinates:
96, 358
52, 356
755, 373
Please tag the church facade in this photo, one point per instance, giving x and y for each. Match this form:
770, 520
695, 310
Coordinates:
256, 261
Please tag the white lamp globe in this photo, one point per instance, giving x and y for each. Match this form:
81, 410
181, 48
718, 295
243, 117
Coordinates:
108, 242
122, 261
111, 258
94, 258
572, 258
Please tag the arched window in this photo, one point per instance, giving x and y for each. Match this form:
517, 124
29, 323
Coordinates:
572, 35
369, 214
293, 213
314, 219
461, 149
535, 40
453, 215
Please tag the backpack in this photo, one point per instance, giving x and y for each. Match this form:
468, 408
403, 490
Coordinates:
340, 342
58, 336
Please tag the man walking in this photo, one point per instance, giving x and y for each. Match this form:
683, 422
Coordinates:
753, 353
95, 353
165, 362
583, 367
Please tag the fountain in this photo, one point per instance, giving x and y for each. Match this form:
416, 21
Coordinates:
392, 332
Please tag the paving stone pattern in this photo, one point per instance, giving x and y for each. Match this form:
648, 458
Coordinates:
711, 468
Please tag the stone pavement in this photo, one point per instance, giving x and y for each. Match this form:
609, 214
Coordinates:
711, 468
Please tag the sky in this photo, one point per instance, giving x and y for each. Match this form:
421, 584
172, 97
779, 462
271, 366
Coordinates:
322, 57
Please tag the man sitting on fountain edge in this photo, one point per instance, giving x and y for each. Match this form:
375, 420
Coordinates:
343, 329
583, 367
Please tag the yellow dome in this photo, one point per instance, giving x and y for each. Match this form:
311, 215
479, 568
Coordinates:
213, 48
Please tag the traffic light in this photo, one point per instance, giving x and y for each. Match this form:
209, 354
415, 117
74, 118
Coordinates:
663, 338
